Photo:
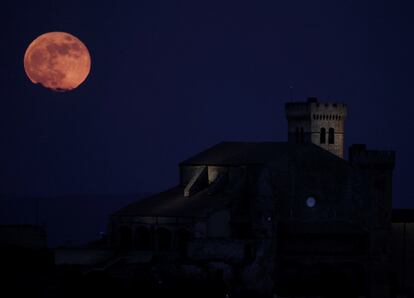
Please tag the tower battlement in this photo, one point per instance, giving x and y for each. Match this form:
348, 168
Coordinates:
316, 122
313, 108
360, 156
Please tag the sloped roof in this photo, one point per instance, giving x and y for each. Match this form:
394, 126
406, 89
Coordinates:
249, 153
173, 203
275, 154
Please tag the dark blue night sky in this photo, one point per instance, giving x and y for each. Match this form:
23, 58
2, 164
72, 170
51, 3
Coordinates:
170, 78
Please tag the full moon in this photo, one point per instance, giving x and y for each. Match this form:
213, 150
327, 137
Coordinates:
58, 61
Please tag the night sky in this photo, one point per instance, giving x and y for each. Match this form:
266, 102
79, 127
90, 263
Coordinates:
171, 78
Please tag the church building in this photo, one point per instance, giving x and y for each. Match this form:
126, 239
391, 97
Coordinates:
280, 219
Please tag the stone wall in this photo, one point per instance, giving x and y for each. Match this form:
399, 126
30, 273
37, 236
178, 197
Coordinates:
403, 256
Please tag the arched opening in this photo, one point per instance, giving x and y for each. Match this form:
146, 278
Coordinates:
323, 136
331, 137
183, 236
163, 239
125, 238
301, 136
143, 239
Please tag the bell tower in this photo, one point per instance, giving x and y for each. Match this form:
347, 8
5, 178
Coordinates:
318, 123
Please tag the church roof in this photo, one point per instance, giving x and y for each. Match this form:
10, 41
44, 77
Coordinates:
173, 203
250, 153
275, 154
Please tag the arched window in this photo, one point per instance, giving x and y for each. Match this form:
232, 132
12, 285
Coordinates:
323, 136
125, 237
164, 239
183, 236
331, 137
143, 239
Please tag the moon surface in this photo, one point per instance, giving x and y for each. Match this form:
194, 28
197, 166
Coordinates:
58, 61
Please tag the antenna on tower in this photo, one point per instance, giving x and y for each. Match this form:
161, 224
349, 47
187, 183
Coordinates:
291, 92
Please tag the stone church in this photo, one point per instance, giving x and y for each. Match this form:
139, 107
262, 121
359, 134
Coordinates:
280, 219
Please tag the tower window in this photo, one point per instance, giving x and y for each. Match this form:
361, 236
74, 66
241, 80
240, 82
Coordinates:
331, 137
299, 135
323, 136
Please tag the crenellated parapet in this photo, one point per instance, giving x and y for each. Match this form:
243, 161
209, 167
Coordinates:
359, 156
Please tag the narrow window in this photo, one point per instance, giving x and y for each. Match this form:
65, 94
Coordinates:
183, 237
302, 136
323, 136
331, 137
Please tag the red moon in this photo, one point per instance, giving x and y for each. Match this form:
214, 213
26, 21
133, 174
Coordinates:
58, 61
